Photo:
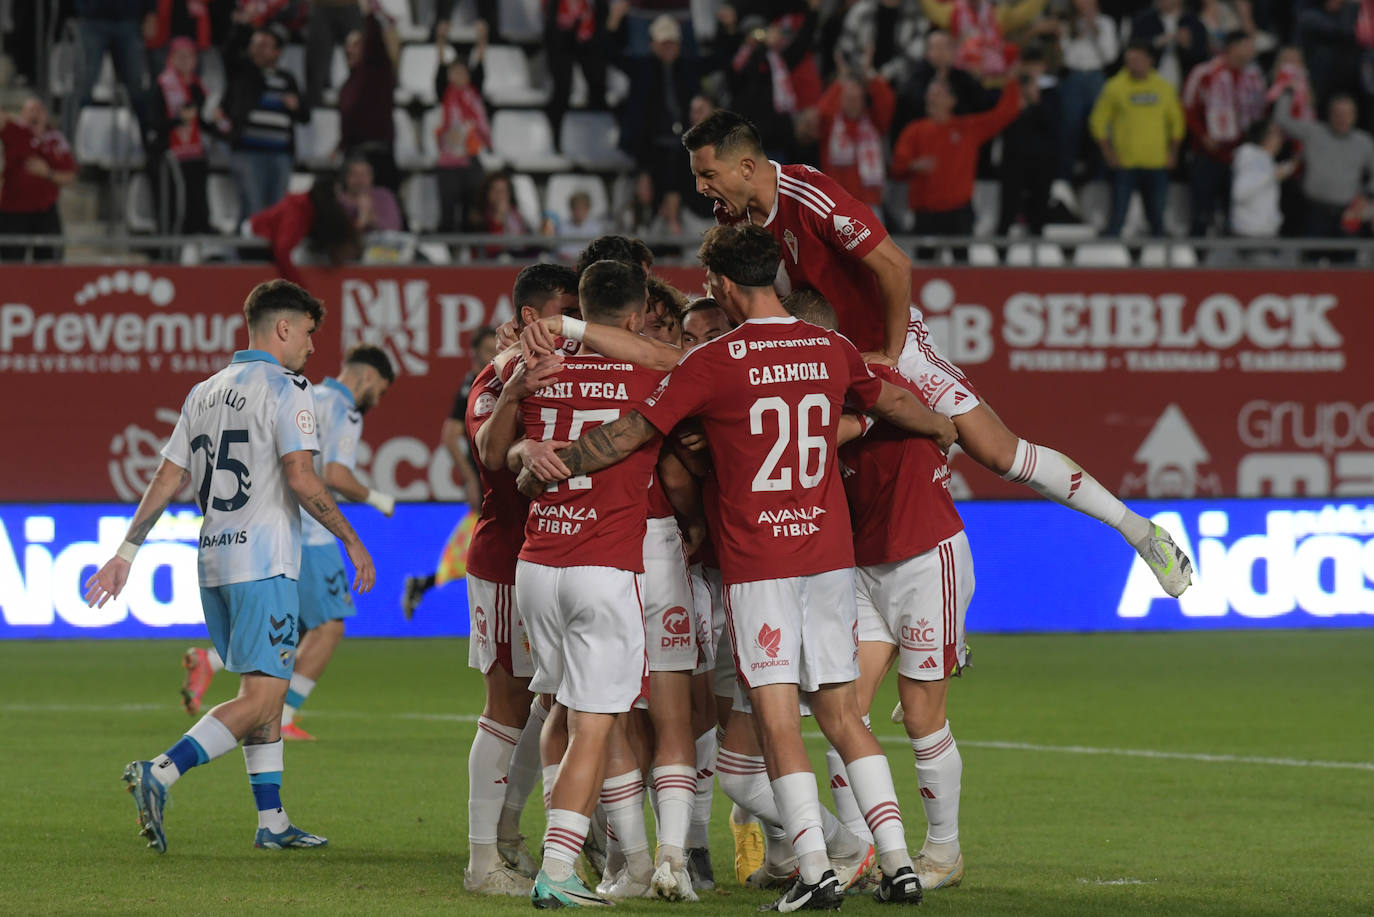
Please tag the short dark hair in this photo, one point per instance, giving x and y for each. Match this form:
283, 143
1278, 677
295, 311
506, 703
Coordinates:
1233, 38
273, 296
1340, 97
481, 333
613, 248
368, 355
745, 253
810, 306
609, 290
1141, 44
700, 304
668, 298
727, 132
538, 283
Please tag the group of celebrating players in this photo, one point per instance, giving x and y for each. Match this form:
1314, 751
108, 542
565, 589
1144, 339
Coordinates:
699, 522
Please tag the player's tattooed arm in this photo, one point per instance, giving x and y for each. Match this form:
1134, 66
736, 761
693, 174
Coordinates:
315, 499
600, 448
903, 409
167, 480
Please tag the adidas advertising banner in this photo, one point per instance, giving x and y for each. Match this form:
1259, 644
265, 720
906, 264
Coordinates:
1038, 567
1164, 384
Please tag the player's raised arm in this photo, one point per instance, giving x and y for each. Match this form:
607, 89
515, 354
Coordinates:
902, 409
607, 340
107, 582
313, 496
893, 269
600, 448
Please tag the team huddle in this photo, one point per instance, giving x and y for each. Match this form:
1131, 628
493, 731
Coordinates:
699, 523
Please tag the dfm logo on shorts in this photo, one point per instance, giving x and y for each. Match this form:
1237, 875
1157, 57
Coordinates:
919, 637
769, 640
480, 624
677, 627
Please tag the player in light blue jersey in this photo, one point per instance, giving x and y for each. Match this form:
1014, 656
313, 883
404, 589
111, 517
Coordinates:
340, 404
246, 440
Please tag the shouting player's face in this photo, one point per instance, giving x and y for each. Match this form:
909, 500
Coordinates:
724, 179
703, 325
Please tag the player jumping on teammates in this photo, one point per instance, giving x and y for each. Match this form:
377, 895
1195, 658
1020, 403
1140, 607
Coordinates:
769, 394
832, 243
340, 404
247, 436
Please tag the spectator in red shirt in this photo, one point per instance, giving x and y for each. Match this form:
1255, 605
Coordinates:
855, 117
176, 129
366, 97
1221, 99
463, 132
38, 162
938, 156
315, 217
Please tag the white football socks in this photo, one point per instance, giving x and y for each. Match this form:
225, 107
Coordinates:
676, 785
265, 764
563, 840
216, 663
871, 780
212, 737
846, 806
296, 695
939, 769
800, 806
698, 830
1056, 477
622, 796
521, 774
488, 762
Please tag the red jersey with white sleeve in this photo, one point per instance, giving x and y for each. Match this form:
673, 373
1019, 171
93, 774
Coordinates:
825, 233
769, 395
500, 529
592, 520
898, 489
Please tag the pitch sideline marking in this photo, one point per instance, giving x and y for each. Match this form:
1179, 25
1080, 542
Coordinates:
1201, 757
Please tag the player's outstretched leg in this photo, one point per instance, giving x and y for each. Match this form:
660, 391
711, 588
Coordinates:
201, 666
150, 781
1057, 477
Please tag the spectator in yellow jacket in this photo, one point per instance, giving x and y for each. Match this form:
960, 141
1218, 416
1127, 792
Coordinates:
1139, 125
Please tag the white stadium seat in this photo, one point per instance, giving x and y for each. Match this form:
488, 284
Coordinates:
561, 187
522, 20
293, 62
1101, 254
980, 254
1023, 254
403, 19
300, 182
590, 139
987, 206
429, 139
617, 88
108, 137
1168, 256
223, 197
409, 154
527, 200
525, 140
415, 73
317, 141
139, 214
420, 195
509, 80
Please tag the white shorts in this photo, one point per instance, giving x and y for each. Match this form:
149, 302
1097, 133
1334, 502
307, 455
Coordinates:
497, 632
715, 656
802, 630
670, 629
943, 385
918, 605
586, 627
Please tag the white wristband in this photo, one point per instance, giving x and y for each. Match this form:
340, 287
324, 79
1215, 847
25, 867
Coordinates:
573, 328
384, 503
127, 551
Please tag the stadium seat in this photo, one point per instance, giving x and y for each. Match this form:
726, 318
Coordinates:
1095, 205
429, 140
590, 139
462, 22
300, 182
522, 20
525, 140
420, 196
1023, 254
338, 69
139, 214
223, 197
617, 88
317, 142
435, 252
409, 154
62, 68
104, 88
1068, 232
987, 207
1101, 254
1168, 256
403, 19
562, 187
415, 73
527, 200
293, 62
212, 75
108, 138
509, 80
981, 254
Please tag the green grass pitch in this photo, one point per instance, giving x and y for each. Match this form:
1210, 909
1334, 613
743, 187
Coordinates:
1056, 819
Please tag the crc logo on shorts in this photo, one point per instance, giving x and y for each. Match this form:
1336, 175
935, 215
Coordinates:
305, 422
738, 349
677, 628
769, 640
850, 232
921, 636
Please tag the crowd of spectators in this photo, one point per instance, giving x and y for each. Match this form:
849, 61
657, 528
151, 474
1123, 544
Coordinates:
1255, 106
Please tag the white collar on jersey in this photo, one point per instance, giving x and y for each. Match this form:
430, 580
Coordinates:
771, 320
777, 192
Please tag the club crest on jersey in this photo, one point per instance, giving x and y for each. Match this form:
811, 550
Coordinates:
738, 349
791, 242
305, 422
851, 231
484, 405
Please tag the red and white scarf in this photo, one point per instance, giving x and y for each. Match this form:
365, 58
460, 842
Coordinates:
463, 106
1231, 100
857, 144
183, 140
1294, 77
980, 36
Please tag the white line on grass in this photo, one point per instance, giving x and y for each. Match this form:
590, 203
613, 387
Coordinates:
885, 739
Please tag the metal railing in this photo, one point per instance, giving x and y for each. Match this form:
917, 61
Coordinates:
978, 251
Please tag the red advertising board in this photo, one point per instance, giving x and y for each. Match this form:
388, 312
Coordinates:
1162, 384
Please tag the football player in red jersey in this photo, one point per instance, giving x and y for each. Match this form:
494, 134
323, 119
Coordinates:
914, 579
769, 394
834, 244
504, 761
